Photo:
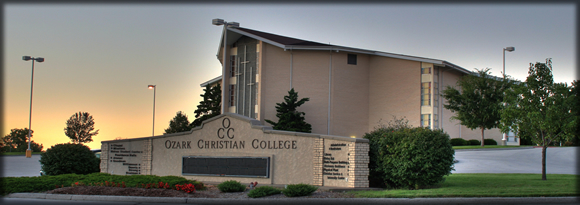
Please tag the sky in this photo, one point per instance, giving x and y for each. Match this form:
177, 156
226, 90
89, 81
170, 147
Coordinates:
100, 58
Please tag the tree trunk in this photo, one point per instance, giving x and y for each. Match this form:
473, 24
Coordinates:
482, 136
544, 147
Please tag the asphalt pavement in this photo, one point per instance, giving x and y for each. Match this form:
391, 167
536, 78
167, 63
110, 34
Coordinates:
559, 160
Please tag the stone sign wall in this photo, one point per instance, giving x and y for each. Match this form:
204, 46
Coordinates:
234, 147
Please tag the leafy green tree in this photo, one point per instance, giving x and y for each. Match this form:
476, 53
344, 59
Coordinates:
210, 106
17, 141
478, 103
179, 123
540, 109
288, 117
79, 128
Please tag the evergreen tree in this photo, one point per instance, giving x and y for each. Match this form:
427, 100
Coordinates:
289, 118
479, 101
79, 128
210, 106
179, 123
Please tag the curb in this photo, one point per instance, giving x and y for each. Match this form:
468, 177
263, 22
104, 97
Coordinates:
181, 200
492, 149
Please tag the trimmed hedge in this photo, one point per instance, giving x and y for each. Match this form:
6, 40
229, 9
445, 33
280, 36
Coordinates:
263, 191
231, 186
69, 159
489, 142
45, 183
293, 190
458, 142
408, 157
474, 142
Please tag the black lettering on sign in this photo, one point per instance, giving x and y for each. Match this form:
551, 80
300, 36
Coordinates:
169, 144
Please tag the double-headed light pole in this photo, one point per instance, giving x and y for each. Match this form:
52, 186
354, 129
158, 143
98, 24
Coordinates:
154, 87
509, 49
40, 60
219, 22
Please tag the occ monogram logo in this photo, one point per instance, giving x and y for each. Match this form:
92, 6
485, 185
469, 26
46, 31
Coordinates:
225, 130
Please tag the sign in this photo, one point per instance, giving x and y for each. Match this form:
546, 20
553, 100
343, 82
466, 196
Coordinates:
227, 166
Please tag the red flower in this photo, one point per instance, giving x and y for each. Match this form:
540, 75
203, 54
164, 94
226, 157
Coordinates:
107, 183
77, 183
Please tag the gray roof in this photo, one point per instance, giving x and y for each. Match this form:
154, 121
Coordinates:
289, 43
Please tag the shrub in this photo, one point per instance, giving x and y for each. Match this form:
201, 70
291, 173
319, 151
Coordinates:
263, 191
458, 142
293, 190
489, 142
474, 142
568, 143
231, 186
69, 159
408, 157
44, 183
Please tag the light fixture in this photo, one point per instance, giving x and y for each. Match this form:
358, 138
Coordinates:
40, 60
154, 87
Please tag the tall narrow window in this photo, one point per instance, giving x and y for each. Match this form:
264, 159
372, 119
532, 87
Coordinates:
352, 59
233, 67
232, 95
436, 95
435, 121
426, 94
426, 120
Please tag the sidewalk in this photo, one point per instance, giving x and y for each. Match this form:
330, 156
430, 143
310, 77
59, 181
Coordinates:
479, 200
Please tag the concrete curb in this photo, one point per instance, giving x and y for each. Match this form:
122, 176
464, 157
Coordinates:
492, 149
180, 200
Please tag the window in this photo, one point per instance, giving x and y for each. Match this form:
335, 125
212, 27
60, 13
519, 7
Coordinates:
435, 121
426, 70
232, 95
426, 120
233, 65
352, 59
436, 96
425, 94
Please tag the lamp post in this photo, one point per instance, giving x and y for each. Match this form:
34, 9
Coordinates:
154, 87
509, 49
40, 60
219, 22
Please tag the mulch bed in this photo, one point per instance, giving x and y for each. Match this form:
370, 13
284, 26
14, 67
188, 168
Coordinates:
210, 192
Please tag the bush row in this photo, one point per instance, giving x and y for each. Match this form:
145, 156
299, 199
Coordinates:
45, 183
291, 190
462, 142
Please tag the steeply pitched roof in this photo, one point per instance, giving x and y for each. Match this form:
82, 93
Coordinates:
288, 43
281, 39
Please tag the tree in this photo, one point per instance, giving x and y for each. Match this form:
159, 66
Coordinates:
540, 109
288, 117
479, 102
210, 106
179, 123
79, 128
17, 141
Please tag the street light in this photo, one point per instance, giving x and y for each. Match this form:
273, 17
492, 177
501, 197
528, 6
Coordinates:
509, 49
219, 22
154, 87
40, 60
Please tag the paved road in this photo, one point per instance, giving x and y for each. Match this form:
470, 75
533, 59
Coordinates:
19, 166
559, 160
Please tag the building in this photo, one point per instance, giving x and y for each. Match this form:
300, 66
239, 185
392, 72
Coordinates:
351, 90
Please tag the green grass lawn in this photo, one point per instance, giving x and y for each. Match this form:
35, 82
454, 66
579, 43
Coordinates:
488, 185
16, 153
487, 146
